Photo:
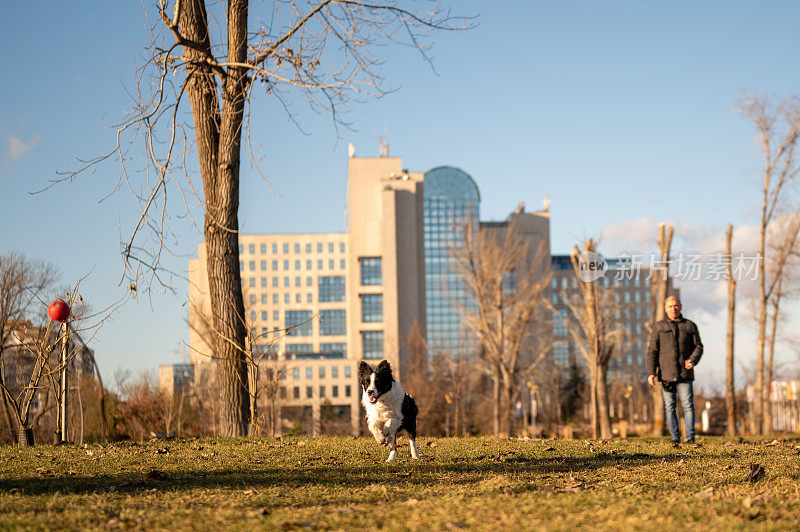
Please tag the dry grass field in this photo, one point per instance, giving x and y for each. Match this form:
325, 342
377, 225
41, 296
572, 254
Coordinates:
459, 483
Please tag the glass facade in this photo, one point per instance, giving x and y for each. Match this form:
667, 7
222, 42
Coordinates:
300, 320
331, 289
451, 199
332, 322
370, 271
371, 308
372, 344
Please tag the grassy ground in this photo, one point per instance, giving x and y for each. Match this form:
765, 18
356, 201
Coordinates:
344, 483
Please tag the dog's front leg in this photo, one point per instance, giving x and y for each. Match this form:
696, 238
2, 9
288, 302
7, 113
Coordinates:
378, 433
390, 428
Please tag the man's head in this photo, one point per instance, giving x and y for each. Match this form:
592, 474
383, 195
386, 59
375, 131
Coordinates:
672, 306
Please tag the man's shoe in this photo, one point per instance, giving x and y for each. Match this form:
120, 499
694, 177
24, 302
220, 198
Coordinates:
690, 442
676, 443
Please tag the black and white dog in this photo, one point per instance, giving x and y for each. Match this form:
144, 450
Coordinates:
389, 408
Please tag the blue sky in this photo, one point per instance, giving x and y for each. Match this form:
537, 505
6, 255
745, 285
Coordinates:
621, 112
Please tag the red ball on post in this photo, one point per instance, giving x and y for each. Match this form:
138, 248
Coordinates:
58, 310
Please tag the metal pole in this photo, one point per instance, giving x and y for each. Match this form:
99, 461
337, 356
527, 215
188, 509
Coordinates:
64, 331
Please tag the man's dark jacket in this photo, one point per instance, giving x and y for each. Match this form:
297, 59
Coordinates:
671, 344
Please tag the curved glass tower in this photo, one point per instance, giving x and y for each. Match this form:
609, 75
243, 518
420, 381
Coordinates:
450, 199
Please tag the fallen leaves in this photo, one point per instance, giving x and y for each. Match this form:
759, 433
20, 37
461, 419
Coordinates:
756, 473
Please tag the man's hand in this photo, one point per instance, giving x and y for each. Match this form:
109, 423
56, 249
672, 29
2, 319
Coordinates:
688, 364
651, 380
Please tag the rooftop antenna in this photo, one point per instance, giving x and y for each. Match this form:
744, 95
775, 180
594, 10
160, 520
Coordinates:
383, 150
546, 204
351, 150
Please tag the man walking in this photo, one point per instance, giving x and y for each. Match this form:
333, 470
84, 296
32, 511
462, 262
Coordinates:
673, 352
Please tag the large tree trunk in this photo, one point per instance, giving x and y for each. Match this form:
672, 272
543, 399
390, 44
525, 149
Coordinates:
730, 388
218, 146
602, 402
593, 396
506, 421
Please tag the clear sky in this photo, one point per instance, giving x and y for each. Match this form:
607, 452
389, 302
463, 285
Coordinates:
621, 112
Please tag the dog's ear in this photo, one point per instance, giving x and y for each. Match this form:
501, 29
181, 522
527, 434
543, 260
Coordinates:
384, 368
364, 371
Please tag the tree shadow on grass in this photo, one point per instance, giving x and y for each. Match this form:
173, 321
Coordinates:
424, 472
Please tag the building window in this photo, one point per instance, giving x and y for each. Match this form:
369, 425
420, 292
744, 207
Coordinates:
370, 271
296, 247
287, 299
275, 282
319, 264
275, 248
286, 248
372, 344
263, 299
309, 392
309, 372
264, 316
334, 372
342, 264
331, 289
299, 321
263, 248
308, 248
330, 247
286, 282
298, 282
335, 391
276, 314
252, 315
309, 298
283, 392
274, 265
241, 265
252, 265
263, 265
300, 349
333, 347
322, 372
371, 308
252, 249
322, 391
275, 298
297, 265
296, 392
330, 264
298, 298
241, 249
347, 391
347, 371
296, 373
252, 299
309, 281
319, 247
263, 282
341, 247
286, 265
252, 282
561, 353
559, 323
332, 322
308, 264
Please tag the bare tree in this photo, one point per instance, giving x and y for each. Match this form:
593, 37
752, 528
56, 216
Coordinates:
21, 280
505, 282
659, 289
778, 127
212, 55
597, 338
782, 280
730, 387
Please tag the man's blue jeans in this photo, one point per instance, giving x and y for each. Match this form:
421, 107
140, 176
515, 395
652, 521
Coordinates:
686, 393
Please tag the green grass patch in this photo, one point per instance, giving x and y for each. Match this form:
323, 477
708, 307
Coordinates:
344, 483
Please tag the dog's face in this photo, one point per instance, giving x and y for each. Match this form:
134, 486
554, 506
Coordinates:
375, 383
